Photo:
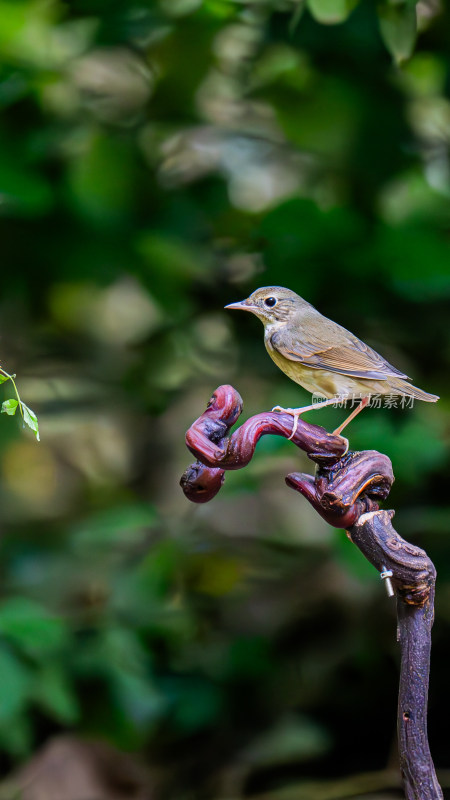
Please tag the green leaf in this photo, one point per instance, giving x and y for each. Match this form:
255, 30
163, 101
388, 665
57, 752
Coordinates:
398, 28
9, 407
4, 378
331, 12
30, 419
30, 627
54, 694
14, 685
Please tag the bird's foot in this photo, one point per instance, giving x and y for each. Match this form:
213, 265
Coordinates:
297, 412
294, 412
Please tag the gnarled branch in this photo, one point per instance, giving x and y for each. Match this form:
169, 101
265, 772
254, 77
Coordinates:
346, 492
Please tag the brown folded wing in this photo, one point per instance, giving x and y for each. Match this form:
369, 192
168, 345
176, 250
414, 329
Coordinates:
350, 356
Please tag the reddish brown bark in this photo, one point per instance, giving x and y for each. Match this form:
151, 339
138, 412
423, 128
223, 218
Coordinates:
346, 492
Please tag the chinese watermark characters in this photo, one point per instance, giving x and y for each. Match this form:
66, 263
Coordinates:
375, 400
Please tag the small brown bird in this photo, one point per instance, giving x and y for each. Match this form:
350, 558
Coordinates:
321, 355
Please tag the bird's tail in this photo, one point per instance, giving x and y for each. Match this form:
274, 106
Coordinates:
399, 386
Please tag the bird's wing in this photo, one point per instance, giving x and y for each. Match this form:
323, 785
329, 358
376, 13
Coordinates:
349, 356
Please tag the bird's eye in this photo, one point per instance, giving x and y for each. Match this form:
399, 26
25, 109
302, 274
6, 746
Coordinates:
270, 301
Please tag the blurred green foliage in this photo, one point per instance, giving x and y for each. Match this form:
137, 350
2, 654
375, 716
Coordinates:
158, 160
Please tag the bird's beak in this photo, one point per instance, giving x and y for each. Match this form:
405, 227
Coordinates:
243, 305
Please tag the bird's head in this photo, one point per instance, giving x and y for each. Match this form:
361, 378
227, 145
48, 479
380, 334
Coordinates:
271, 304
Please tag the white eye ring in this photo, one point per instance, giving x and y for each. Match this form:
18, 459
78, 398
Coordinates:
270, 302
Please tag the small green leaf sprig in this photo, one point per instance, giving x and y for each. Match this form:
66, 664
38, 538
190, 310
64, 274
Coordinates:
10, 406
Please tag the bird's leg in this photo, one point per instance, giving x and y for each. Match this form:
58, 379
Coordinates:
351, 416
296, 412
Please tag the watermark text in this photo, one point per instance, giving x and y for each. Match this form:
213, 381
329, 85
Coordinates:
375, 400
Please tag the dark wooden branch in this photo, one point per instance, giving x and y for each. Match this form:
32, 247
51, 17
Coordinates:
414, 579
346, 492
209, 440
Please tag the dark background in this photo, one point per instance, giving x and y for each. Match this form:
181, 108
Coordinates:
158, 160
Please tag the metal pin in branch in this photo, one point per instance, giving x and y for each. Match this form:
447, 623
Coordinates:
386, 576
